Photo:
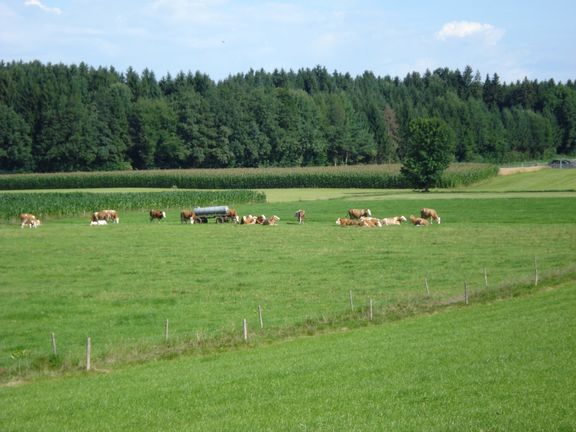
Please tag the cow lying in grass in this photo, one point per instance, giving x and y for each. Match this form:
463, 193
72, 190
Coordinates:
430, 215
396, 220
418, 221
272, 220
347, 222
370, 222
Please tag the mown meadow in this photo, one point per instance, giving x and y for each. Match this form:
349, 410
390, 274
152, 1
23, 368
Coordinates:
496, 365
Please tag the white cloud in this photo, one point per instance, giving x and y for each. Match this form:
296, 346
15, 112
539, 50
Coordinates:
42, 6
464, 29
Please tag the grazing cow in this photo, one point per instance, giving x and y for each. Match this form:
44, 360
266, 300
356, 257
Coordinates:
347, 222
107, 215
248, 220
187, 216
29, 220
418, 221
157, 214
396, 220
370, 222
98, 222
300, 216
260, 220
430, 214
358, 213
272, 220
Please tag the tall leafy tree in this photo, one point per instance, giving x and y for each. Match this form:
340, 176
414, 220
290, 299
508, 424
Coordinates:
429, 152
15, 142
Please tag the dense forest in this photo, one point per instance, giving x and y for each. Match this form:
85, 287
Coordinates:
56, 117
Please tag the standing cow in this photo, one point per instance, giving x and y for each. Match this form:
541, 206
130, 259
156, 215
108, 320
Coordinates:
300, 216
157, 214
430, 214
29, 220
358, 213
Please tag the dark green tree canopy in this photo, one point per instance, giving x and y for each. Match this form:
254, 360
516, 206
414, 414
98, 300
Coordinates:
429, 151
56, 117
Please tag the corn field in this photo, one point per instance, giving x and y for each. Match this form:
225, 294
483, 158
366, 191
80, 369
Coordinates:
76, 203
358, 176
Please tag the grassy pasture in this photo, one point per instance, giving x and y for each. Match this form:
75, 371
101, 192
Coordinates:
502, 366
118, 284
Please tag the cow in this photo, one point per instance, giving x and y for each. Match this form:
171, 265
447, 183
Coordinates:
233, 215
248, 220
370, 222
418, 221
157, 214
396, 220
347, 222
430, 214
107, 215
29, 220
272, 220
187, 216
260, 220
300, 216
358, 213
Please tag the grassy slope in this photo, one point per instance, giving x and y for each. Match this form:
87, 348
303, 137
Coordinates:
502, 366
547, 179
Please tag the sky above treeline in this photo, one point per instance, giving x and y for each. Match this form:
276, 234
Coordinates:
515, 39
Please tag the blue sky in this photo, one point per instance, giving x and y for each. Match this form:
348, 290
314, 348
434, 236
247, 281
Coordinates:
515, 39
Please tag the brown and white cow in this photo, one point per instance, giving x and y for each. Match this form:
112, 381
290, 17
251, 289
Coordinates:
107, 215
430, 214
358, 213
300, 216
260, 219
233, 215
347, 222
248, 220
272, 220
370, 222
29, 220
187, 216
418, 221
157, 214
396, 220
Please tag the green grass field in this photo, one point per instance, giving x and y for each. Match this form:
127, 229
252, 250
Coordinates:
491, 366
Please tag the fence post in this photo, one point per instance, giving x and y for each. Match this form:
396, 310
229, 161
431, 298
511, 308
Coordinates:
54, 352
535, 271
485, 278
370, 310
465, 292
426, 285
260, 316
166, 330
245, 329
351, 301
88, 352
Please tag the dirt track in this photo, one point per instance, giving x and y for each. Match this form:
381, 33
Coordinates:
516, 170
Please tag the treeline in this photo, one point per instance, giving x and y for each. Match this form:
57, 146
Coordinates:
78, 118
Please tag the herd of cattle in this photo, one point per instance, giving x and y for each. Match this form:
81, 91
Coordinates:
364, 218
356, 217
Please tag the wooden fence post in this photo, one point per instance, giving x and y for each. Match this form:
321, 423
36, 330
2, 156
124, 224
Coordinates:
166, 330
245, 330
351, 300
54, 352
535, 271
260, 316
88, 352
370, 310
